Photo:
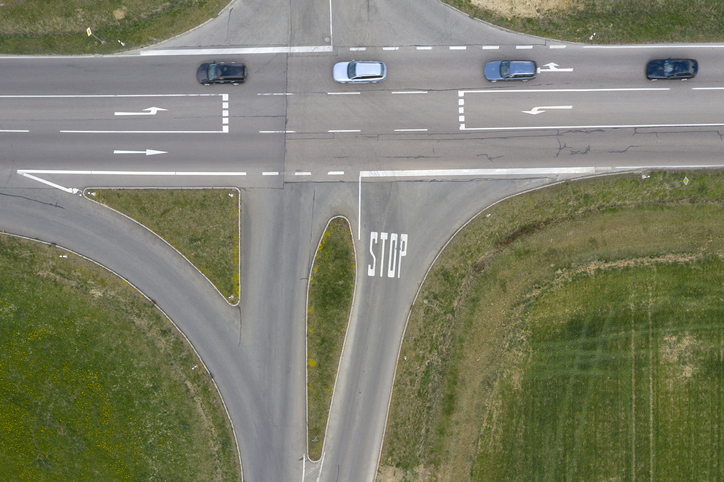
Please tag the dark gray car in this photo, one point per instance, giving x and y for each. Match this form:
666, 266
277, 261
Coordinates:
672, 69
510, 70
222, 73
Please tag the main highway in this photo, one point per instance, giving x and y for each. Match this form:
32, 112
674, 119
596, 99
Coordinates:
407, 161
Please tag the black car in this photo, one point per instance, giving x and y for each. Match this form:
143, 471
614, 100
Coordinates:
222, 73
672, 69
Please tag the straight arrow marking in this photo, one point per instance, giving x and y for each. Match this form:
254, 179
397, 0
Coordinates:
553, 67
148, 152
538, 110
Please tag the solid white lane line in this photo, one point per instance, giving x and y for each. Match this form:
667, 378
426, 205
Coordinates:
662, 46
411, 92
458, 47
410, 130
424, 48
605, 126
223, 130
131, 173
335, 173
491, 47
523, 47
270, 173
339, 131
343, 93
233, 51
224, 97
461, 93
300, 173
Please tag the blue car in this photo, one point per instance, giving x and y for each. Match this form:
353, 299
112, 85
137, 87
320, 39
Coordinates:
510, 70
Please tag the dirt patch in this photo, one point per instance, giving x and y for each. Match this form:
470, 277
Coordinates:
119, 14
525, 8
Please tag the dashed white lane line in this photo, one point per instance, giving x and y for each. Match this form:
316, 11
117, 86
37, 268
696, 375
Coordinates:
458, 47
491, 47
274, 93
302, 173
343, 93
410, 130
424, 48
342, 131
335, 173
277, 132
524, 47
411, 92
270, 173
390, 48
357, 49
558, 46
14, 130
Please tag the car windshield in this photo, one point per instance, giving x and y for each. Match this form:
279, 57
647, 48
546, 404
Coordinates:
351, 71
212, 72
505, 69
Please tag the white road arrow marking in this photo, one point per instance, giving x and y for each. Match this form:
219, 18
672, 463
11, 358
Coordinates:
149, 111
538, 110
553, 67
148, 152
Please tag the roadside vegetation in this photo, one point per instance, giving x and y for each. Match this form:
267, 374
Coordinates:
612, 21
95, 383
59, 26
331, 289
203, 224
574, 332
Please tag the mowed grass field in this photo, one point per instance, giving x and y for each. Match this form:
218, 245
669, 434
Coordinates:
571, 333
95, 383
59, 26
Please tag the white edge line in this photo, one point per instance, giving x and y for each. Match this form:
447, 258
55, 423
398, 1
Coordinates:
610, 126
633, 89
662, 46
234, 51
224, 130
410, 130
277, 132
339, 131
6, 131
131, 173
411, 92
707, 88
100, 96
70, 190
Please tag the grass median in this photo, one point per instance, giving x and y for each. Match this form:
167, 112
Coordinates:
605, 21
331, 289
203, 224
571, 332
59, 26
95, 383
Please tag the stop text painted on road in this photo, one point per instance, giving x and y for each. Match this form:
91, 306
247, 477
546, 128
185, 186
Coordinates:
396, 251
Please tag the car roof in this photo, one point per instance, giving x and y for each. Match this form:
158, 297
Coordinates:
367, 69
518, 67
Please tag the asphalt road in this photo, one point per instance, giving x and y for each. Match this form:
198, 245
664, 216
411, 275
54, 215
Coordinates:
407, 162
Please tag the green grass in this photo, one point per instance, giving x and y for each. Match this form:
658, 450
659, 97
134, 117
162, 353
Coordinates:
617, 21
466, 339
615, 374
331, 288
95, 384
59, 26
203, 224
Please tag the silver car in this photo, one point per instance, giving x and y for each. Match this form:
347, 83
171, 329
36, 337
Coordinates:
510, 70
359, 72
